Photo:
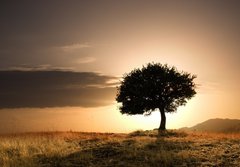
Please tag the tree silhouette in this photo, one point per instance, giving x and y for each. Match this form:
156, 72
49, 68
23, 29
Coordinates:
155, 86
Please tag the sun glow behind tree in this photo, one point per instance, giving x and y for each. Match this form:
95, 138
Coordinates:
155, 86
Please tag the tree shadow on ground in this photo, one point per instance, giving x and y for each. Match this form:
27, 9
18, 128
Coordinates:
151, 150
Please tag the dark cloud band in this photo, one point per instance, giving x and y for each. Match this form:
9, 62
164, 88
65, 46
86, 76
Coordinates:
20, 89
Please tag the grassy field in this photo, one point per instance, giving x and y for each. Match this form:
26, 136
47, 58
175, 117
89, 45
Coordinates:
140, 148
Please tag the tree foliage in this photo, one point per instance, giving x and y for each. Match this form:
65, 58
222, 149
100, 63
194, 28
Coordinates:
155, 86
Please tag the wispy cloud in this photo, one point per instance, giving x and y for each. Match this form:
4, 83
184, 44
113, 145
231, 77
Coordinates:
41, 67
85, 60
75, 46
209, 87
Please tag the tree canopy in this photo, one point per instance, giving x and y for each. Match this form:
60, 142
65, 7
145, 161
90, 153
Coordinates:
155, 86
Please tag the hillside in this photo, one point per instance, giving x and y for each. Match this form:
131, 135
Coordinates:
217, 125
140, 148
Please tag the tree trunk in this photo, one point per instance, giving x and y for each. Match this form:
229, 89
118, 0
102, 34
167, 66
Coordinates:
163, 120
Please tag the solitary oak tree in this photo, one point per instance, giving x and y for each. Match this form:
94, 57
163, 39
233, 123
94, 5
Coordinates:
155, 87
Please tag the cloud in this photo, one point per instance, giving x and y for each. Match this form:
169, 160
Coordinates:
85, 60
42, 67
76, 46
209, 87
39, 89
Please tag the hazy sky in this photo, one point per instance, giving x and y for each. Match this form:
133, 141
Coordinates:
69, 55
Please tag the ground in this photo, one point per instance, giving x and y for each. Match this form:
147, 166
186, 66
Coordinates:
139, 148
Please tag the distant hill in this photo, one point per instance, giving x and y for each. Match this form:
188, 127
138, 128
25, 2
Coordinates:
217, 125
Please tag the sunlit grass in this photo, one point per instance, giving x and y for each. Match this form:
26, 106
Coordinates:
139, 148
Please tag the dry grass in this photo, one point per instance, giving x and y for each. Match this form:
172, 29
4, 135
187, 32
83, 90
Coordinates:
140, 148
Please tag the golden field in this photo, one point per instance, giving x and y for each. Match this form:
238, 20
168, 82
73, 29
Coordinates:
139, 148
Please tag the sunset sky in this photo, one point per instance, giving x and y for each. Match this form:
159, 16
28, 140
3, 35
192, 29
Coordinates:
62, 60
